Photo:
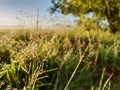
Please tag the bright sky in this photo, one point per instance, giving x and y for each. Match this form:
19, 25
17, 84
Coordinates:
23, 12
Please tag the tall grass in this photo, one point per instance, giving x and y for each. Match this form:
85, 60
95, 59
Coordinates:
59, 60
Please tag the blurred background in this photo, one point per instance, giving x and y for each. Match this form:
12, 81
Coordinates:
17, 13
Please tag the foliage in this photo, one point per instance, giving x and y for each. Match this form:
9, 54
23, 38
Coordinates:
55, 60
101, 9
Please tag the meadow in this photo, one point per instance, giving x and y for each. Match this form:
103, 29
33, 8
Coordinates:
59, 60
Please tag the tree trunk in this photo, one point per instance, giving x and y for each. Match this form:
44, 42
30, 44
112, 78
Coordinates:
115, 27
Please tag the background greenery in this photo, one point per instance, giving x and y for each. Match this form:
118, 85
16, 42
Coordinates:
102, 10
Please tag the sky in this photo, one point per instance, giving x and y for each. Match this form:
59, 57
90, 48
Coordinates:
24, 12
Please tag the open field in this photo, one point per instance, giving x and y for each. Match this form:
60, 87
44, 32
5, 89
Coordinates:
59, 60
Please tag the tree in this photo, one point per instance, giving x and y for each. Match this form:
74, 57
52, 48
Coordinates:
103, 9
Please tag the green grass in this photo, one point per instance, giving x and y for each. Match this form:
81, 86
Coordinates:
59, 60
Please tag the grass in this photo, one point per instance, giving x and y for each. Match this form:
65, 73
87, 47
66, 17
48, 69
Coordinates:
59, 60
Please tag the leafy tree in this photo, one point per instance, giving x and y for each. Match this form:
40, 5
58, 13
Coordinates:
103, 9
